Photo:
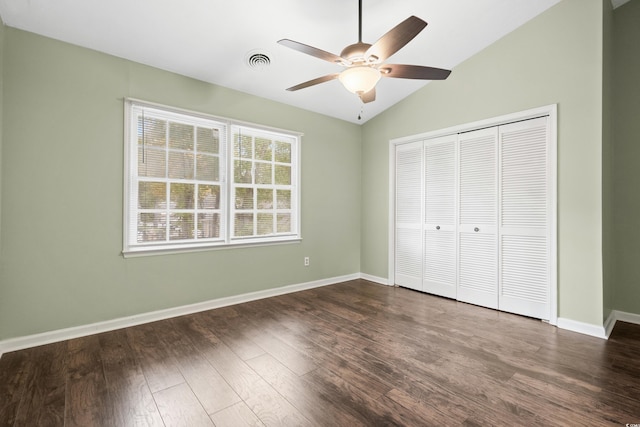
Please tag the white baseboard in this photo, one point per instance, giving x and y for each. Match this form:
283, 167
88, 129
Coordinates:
20, 343
375, 279
581, 327
621, 316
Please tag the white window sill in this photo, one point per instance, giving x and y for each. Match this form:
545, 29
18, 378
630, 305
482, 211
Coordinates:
141, 251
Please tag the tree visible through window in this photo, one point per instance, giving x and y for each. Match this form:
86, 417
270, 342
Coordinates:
183, 192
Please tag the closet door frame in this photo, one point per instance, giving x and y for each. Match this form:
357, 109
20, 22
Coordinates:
549, 110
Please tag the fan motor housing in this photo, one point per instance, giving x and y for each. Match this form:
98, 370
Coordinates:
355, 52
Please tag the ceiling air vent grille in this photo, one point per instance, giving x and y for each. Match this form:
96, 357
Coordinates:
258, 60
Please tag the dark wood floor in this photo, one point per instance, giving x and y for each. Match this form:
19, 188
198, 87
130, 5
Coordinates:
343, 355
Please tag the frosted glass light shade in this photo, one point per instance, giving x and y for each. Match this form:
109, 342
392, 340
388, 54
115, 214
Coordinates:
359, 79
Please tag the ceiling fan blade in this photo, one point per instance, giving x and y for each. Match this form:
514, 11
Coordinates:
368, 96
310, 50
402, 71
313, 82
396, 38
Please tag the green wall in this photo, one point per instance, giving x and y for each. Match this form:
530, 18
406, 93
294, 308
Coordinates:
626, 294
60, 262
554, 58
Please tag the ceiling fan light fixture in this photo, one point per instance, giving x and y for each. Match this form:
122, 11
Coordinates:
360, 79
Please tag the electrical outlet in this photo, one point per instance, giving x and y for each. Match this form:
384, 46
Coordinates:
306, 261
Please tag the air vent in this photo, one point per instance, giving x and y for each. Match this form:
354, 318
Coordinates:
258, 60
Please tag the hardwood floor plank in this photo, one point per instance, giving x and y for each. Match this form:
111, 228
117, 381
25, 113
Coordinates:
86, 387
270, 407
319, 405
232, 329
207, 384
128, 389
43, 401
237, 415
299, 362
158, 366
15, 371
179, 407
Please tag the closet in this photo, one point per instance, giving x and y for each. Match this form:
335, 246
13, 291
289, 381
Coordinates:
474, 216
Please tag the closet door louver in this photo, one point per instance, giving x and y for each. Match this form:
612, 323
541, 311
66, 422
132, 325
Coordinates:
409, 204
440, 216
524, 229
477, 231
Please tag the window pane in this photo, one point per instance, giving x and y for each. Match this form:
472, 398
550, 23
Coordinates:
265, 224
152, 162
283, 199
284, 223
264, 149
242, 172
181, 226
208, 225
180, 136
151, 194
242, 147
265, 198
154, 133
243, 224
182, 196
208, 140
180, 165
151, 227
209, 197
283, 152
244, 198
283, 175
263, 173
207, 168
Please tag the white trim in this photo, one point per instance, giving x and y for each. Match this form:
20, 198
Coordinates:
553, 210
610, 323
181, 249
626, 317
547, 110
20, 343
376, 279
620, 316
391, 261
581, 327
226, 127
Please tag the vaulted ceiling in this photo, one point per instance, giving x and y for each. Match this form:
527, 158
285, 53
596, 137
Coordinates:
211, 40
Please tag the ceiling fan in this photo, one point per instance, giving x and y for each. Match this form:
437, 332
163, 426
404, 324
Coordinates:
364, 62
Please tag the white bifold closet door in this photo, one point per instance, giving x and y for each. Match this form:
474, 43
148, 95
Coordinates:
409, 205
440, 216
477, 227
524, 235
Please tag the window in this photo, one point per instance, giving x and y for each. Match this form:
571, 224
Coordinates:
195, 181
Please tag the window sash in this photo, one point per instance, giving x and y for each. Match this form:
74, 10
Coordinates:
178, 224
256, 220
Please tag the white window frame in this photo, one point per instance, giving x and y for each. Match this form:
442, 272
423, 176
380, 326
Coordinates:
132, 248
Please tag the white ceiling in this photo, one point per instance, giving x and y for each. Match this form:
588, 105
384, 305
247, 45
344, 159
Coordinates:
210, 39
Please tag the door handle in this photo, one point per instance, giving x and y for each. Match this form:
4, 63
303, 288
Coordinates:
437, 227
476, 229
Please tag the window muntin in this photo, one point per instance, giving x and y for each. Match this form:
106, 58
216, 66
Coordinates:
179, 182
